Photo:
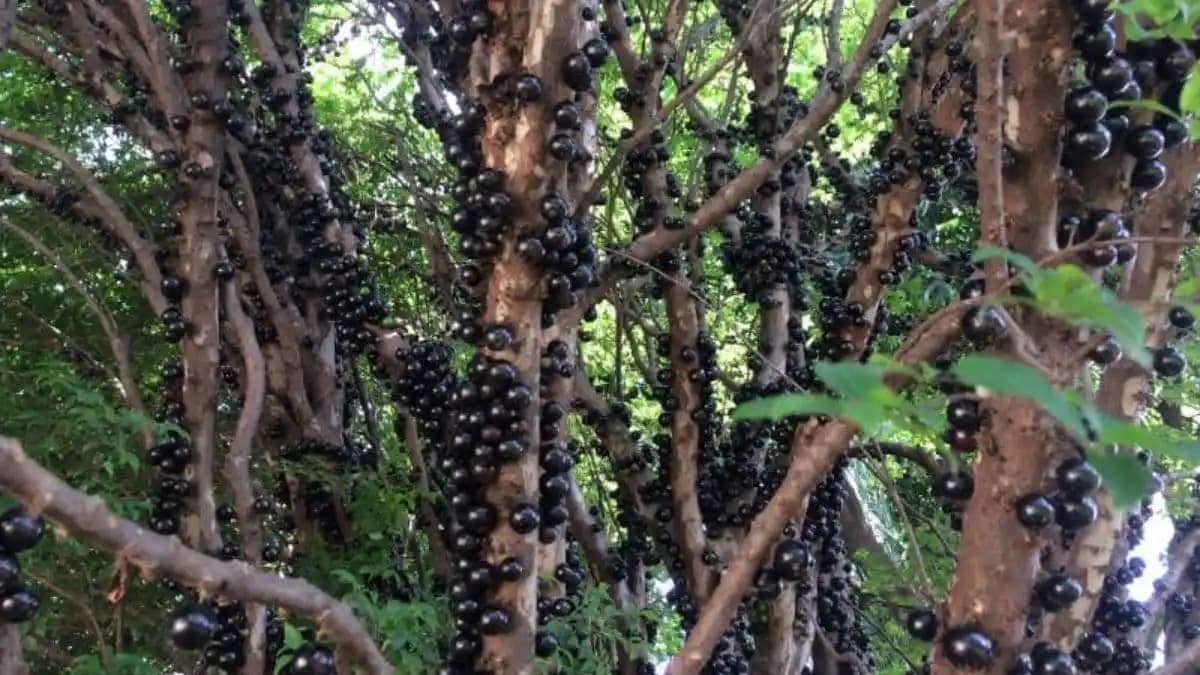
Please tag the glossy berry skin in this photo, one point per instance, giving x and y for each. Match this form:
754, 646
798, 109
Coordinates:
10, 571
524, 518
596, 51
577, 72
922, 624
1106, 352
963, 414
1088, 142
1072, 514
20, 531
494, 621
1052, 661
18, 605
1181, 318
528, 88
545, 644
1077, 478
954, 485
984, 326
1148, 175
1058, 591
791, 560
968, 647
1035, 511
312, 659
1096, 648
510, 569
192, 627
1085, 105
1169, 362
962, 440
1145, 142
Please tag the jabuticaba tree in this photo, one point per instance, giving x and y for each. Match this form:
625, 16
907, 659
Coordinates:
653, 295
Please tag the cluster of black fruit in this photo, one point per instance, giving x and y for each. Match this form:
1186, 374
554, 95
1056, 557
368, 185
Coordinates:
838, 612
220, 631
556, 457
227, 518
19, 531
637, 548
170, 457
1155, 68
484, 426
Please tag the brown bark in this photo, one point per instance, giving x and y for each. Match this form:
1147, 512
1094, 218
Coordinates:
12, 660
998, 560
815, 449
197, 258
1122, 390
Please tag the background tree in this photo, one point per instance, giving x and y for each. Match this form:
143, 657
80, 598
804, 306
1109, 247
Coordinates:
517, 337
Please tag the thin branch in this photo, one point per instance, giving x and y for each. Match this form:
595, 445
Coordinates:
90, 519
237, 464
114, 219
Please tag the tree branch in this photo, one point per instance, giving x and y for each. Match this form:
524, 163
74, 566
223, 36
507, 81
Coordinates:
88, 518
237, 465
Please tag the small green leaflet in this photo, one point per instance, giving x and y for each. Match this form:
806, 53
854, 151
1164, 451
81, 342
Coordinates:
848, 379
1011, 257
786, 405
1017, 379
1116, 431
1070, 294
1125, 478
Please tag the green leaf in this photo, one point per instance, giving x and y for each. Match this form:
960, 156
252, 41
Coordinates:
850, 380
1120, 432
1068, 293
1189, 98
1146, 104
1012, 257
1017, 379
786, 405
1125, 478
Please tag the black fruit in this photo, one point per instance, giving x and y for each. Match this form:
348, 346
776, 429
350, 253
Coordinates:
524, 518
577, 72
1181, 318
922, 624
545, 644
1058, 591
1096, 648
963, 414
529, 88
10, 571
954, 485
18, 605
1088, 141
312, 659
1145, 142
1106, 352
494, 621
20, 531
968, 647
1148, 174
1035, 511
791, 560
1168, 362
1077, 478
192, 627
984, 326
1086, 105
1073, 514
